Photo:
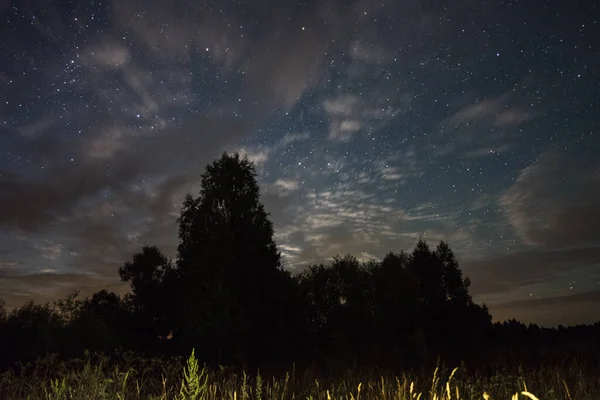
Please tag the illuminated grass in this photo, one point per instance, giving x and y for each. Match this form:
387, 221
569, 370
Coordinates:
176, 379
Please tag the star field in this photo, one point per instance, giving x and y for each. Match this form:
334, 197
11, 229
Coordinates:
371, 124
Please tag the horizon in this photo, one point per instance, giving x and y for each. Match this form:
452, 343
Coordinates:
370, 126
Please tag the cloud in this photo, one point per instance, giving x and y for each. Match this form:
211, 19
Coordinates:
496, 111
106, 145
9, 266
289, 252
488, 151
399, 167
423, 212
107, 53
503, 273
351, 113
485, 127
351, 219
555, 201
323, 244
201, 27
286, 185
332, 222
295, 72
512, 116
258, 157
38, 126
343, 130
567, 300
391, 174
342, 106
113, 229
278, 68
47, 287
290, 138
50, 251
33, 205
359, 208
368, 51
574, 309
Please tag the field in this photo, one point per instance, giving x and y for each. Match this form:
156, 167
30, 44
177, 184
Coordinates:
137, 378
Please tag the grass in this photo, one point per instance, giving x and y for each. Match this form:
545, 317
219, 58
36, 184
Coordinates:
95, 378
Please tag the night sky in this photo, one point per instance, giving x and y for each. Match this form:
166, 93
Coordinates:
371, 124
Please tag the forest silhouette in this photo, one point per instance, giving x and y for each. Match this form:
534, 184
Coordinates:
228, 296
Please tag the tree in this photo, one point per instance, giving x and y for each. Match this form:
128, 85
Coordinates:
149, 275
455, 288
32, 331
447, 313
342, 308
235, 289
3, 311
464, 321
396, 299
104, 323
69, 307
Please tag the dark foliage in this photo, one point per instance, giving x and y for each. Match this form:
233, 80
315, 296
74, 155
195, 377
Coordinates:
228, 296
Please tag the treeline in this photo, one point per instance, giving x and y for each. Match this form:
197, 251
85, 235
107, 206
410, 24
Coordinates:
228, 296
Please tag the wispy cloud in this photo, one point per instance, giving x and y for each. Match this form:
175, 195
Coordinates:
488, 151
258, 157
38, 126
286, 184
290, 138
400, 166
497, 111
368, 50
483, 127
50, 251
106, 144
350, 219
107, 53
351, 113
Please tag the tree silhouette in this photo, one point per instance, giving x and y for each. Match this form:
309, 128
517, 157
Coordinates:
235, 290
104, 323
3, 312
396, 296
342, 308
407, 307
30, 331
149, 275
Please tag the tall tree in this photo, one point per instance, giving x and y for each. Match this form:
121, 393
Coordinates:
447, 313
454, 286
424, 265
235, 286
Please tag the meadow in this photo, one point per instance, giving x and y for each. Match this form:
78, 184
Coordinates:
132, 377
